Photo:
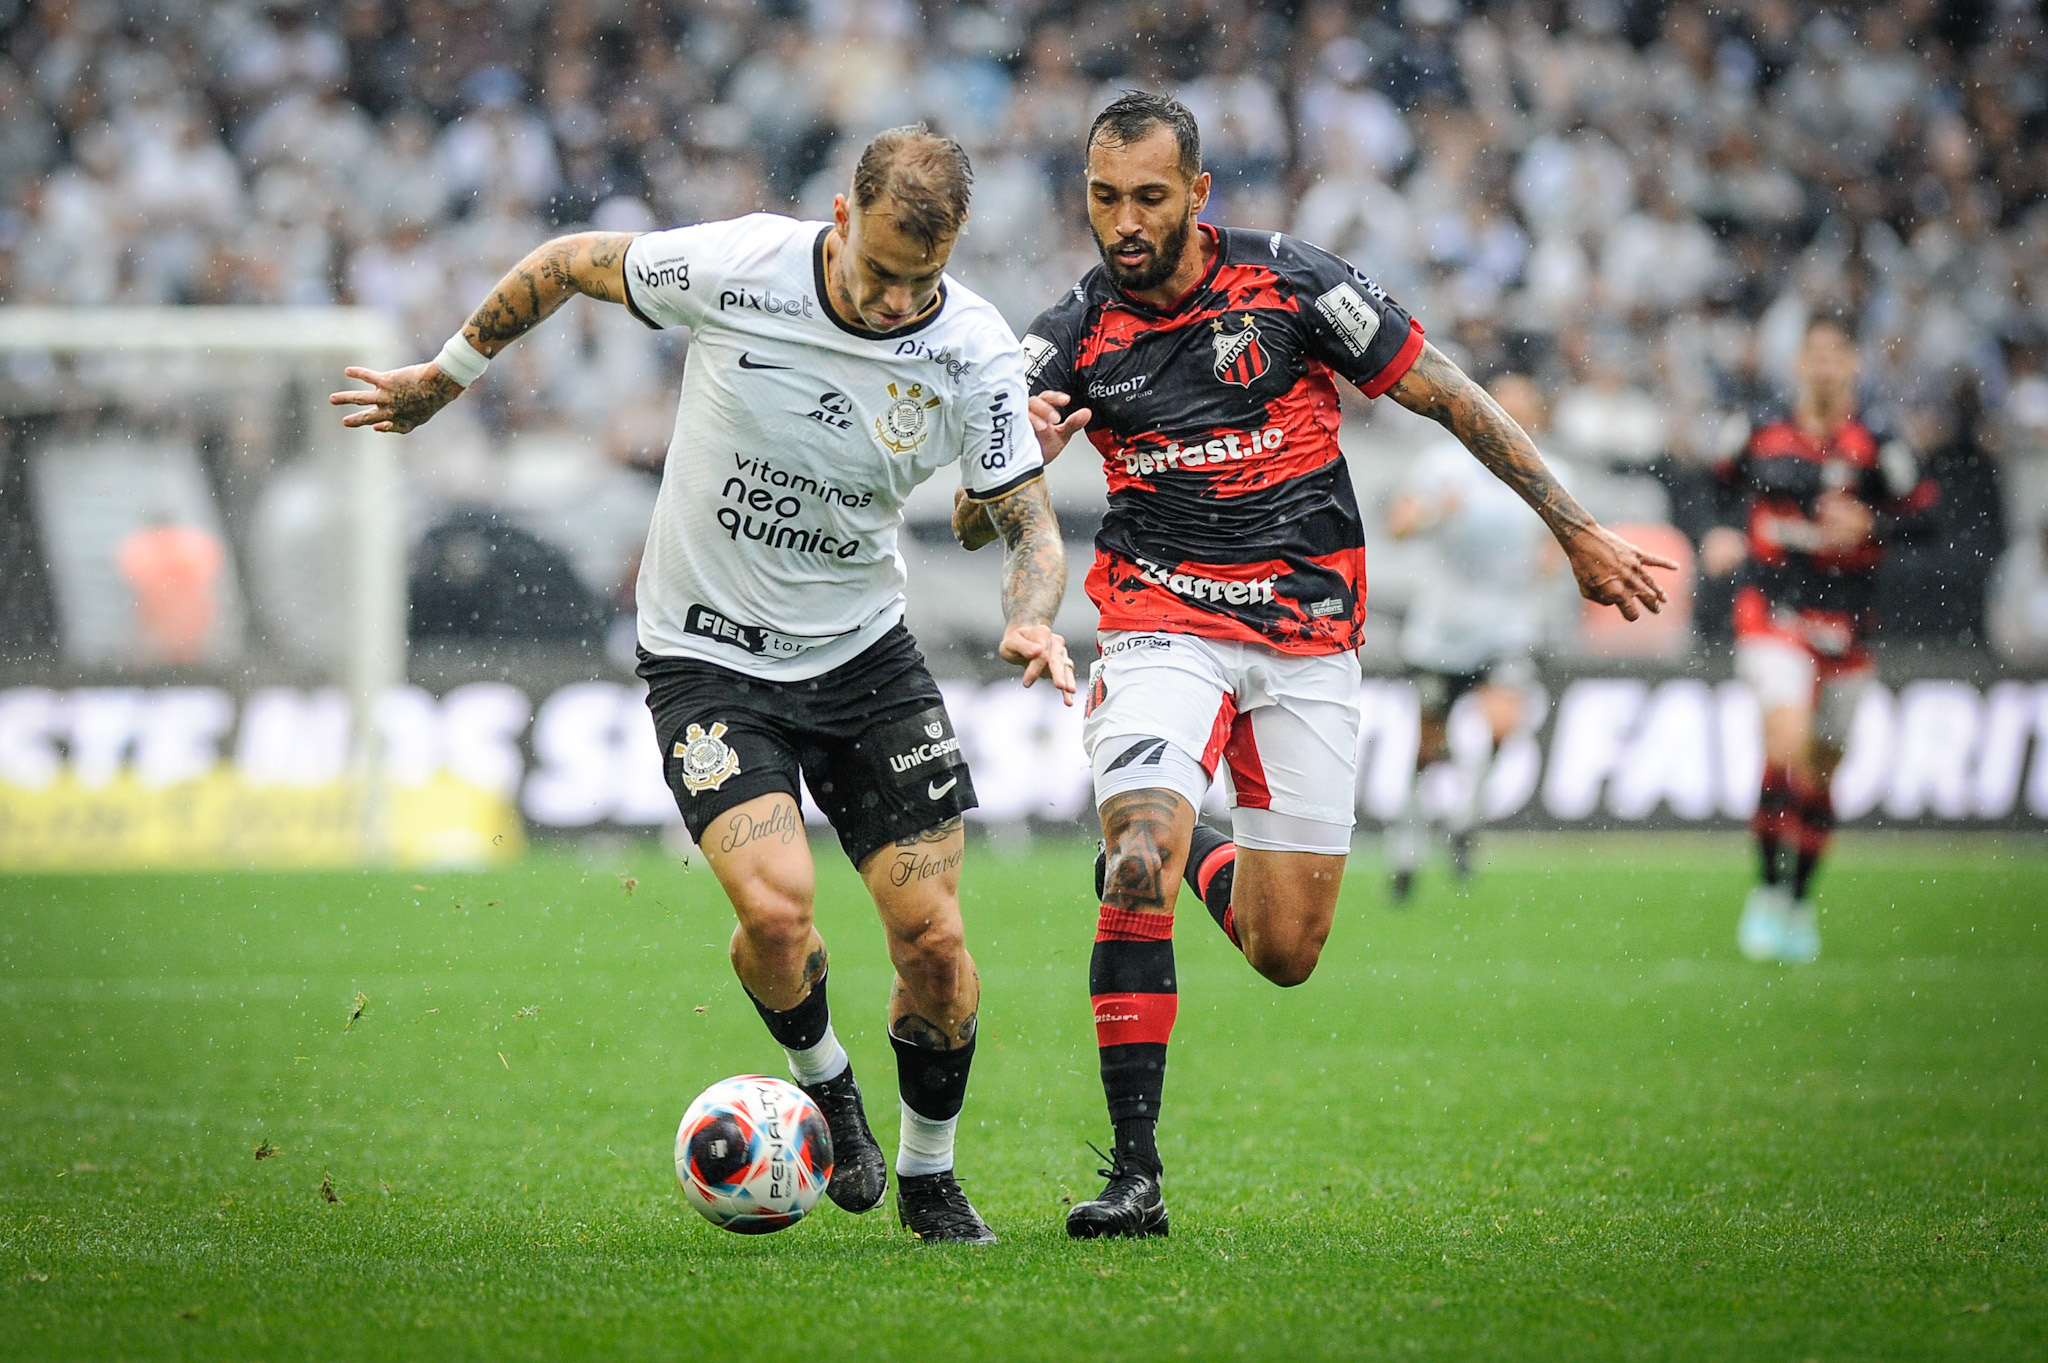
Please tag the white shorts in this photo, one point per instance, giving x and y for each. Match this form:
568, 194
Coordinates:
1165, 711
1785, 674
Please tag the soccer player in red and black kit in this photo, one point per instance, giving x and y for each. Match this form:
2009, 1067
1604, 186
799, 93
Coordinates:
1819, 494
1230, 577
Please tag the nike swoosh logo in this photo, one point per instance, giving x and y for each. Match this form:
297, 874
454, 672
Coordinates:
937, 791
746, 363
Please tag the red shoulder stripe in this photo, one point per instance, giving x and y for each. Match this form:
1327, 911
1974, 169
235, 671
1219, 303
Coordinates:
1399, 365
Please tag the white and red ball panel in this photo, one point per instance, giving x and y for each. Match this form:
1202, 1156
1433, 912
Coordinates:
753, 1154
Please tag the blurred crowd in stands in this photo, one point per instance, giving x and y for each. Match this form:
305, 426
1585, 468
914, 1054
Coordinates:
1636, 202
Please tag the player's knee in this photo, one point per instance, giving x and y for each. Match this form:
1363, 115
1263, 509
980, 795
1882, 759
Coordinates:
929, 955
1132, 875
1289, 965
773, 919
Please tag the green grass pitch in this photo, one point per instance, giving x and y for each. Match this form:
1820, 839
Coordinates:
1554, 1116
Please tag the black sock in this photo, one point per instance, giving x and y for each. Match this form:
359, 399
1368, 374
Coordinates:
1767, 853
1136, 997
1802, 872
1136, 1144
933, 1083
801, 1027
1215, 896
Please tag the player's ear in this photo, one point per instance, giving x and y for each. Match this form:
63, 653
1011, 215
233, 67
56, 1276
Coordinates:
842, 217
1198, 192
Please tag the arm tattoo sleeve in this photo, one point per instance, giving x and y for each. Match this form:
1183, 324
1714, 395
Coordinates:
1438, 389
589, 263
1034, 560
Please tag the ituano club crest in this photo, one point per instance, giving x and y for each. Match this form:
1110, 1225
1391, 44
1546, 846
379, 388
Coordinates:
707, 761
1240, 355
903, 425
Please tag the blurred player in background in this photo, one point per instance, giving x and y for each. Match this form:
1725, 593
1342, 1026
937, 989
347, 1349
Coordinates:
833, 367
1474, 623
1230, 577
1819, 494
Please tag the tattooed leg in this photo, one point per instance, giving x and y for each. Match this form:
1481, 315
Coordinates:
915, 882
761, 858
1145, 834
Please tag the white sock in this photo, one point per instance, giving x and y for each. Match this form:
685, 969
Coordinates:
927, 1146
826, 1060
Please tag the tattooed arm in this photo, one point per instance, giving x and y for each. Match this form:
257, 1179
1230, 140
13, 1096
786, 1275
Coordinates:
589, 263
1034, 580
1609, 569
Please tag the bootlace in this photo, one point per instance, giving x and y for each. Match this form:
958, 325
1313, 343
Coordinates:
1117, 1173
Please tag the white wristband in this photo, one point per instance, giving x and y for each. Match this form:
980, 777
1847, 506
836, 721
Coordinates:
461, 361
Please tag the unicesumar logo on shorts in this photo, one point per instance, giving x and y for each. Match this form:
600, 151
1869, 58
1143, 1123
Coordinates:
707, 761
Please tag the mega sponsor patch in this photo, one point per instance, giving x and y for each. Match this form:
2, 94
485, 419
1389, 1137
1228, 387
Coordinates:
1354, 320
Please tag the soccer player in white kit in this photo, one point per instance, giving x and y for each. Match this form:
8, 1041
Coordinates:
832, 368
1474, 622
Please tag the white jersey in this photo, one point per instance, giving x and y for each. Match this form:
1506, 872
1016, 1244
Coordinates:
1484, 598
773, 548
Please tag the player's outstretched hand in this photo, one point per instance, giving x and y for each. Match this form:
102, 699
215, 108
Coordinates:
398, 401
1042, 653
1615, 573
1053, 433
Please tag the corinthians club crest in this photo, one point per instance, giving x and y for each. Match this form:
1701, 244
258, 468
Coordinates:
904, 423
707, 761
1240, 355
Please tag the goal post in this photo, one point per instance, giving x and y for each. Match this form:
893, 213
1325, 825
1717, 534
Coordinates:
82, 352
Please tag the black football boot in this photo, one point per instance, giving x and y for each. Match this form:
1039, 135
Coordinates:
1101, 867
860, 1173
1130, 1208
937, 1212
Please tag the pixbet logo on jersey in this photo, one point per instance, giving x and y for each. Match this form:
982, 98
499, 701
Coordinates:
1218, 450
947, 359
766, 301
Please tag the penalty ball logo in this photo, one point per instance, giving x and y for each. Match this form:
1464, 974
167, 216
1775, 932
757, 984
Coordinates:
903, 425
707, 761
1240, 356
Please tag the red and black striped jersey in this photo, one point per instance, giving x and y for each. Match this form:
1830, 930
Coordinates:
1780, 476
1231, 514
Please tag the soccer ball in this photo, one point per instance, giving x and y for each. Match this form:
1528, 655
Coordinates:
753, 1154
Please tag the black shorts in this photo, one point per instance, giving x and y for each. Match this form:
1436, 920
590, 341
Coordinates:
872, 739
